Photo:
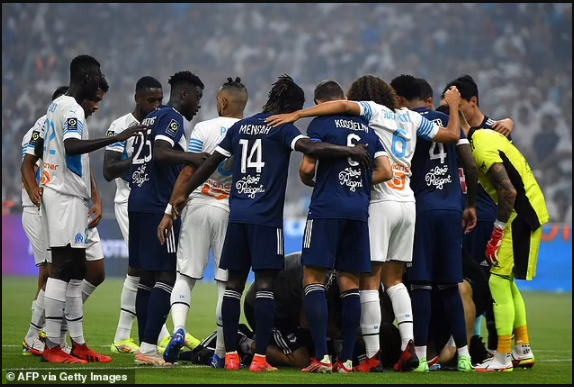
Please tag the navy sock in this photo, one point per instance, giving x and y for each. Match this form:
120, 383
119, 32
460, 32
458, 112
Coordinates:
454, 310
265, 318
351, 309
230, 313
421, 299
317, 315
158, 309
142, 303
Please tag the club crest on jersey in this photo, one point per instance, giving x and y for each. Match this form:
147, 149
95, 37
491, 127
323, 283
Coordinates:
172, 128
71, 124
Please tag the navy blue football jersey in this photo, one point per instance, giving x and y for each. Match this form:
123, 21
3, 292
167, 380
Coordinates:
486, 208
343, 188
151, 183
260, 169
435, 180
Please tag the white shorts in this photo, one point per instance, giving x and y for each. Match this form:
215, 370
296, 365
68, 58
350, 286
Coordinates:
203, 228
392, 231
35, 229
94, 252
121, 211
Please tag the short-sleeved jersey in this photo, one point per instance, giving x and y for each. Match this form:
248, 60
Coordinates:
398, 132
28, 144
435, 179
126, 149
489, 148
205, 137
68, 175
260, 169
343, 188
152, 183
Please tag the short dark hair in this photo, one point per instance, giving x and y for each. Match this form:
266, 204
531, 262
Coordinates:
444, 109
426, 89
329, 90
82, 65
234, 85
147, 82
285, 96
183, 78
466, 86
373, 88
60, 91
104, 85
407, 86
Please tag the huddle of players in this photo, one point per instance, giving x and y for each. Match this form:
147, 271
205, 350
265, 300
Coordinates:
340, 233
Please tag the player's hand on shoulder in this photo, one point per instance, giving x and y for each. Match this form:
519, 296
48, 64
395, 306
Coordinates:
469, 220
452, 96
131, 132
504, 127
164, 228
282, 119
360, 154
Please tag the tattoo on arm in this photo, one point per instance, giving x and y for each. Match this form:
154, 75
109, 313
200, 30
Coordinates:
506, 192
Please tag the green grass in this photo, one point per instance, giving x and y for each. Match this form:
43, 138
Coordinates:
550, 318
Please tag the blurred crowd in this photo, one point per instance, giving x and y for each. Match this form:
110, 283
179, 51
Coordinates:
519, 54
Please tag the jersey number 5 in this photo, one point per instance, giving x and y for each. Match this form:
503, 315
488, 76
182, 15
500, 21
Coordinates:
255, 158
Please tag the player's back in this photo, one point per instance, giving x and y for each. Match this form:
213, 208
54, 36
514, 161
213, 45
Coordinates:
435, 180
398, 132
342, 189
152, 183
205, 137
260, 169
490, 147
126, 149
69, 175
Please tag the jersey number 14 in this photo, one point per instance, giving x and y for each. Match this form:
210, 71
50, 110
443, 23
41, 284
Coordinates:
251, 158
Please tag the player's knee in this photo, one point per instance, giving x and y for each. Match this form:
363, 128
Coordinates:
447, 287
465, 290
166, 277
62, 264
147, 279
133, 272
236, 281
264, 280
421, 287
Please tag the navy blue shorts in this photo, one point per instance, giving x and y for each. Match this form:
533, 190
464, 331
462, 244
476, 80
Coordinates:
475, 244
338, 244
438, 248
145, 251
252, 246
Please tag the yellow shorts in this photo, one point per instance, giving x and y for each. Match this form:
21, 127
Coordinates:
518, 254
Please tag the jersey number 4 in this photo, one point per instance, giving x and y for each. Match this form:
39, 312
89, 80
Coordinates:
255, 158
441, 152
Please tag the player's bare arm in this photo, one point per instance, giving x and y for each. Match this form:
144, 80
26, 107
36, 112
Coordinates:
115, 166
320, 150
506, 192
165, 154
96, 211
504, 126
470, 218
307, 171
451, 134
324, 109
383, 170
78, 147
28, 170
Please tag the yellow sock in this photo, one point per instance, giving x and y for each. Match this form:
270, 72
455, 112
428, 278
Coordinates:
504, 344
521, 336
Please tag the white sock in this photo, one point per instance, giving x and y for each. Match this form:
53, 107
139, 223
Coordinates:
220, 342
64, 332
421, 352
148, 348
181, 301
128, 308
403, 313
75, 311
38, 316
87, 290
163, 334
54, 302
371, 321
463, 352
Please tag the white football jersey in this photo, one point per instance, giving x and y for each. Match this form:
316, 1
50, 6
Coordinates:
205, 137
68, 175
126, 148
398, 132
28, 146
